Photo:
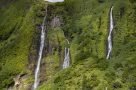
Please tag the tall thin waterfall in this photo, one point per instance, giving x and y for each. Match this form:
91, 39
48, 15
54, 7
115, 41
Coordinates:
66, 62
37, 70
110, 34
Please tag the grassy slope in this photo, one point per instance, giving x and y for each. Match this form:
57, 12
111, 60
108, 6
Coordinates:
86, 25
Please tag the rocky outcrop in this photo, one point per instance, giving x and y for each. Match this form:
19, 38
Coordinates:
20, 83
56, 22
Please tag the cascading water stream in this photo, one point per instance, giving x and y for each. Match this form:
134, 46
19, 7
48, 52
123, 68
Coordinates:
37, 70
110, 33
66, 58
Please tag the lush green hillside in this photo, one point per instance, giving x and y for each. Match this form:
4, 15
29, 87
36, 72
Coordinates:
85, 23
86, 26
18, 20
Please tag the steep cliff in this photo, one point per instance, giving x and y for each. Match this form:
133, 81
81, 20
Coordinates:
85, 24
19, 20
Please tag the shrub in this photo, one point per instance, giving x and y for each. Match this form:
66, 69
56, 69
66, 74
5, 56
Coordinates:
116, 85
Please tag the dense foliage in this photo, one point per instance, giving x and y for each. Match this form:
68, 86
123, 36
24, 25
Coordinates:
85, 23
86, 26
18, 20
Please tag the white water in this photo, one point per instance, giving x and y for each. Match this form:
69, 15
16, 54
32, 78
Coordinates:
110, 33
55, 0
37, 70
66, 62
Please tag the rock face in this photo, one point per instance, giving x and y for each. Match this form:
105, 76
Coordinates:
20, 83
56, 22
17, 81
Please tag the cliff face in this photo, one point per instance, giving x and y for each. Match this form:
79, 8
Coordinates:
85, 23
18, 26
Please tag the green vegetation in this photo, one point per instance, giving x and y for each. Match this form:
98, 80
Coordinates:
17, 28
85, 23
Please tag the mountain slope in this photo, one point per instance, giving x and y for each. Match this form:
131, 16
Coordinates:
18, 20
86, 26
85, 23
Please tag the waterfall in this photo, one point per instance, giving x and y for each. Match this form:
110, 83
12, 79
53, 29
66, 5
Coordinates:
37, 70
110, 33
66, 58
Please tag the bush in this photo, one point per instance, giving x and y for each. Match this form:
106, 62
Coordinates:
116, 85
118, 65
89, 84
